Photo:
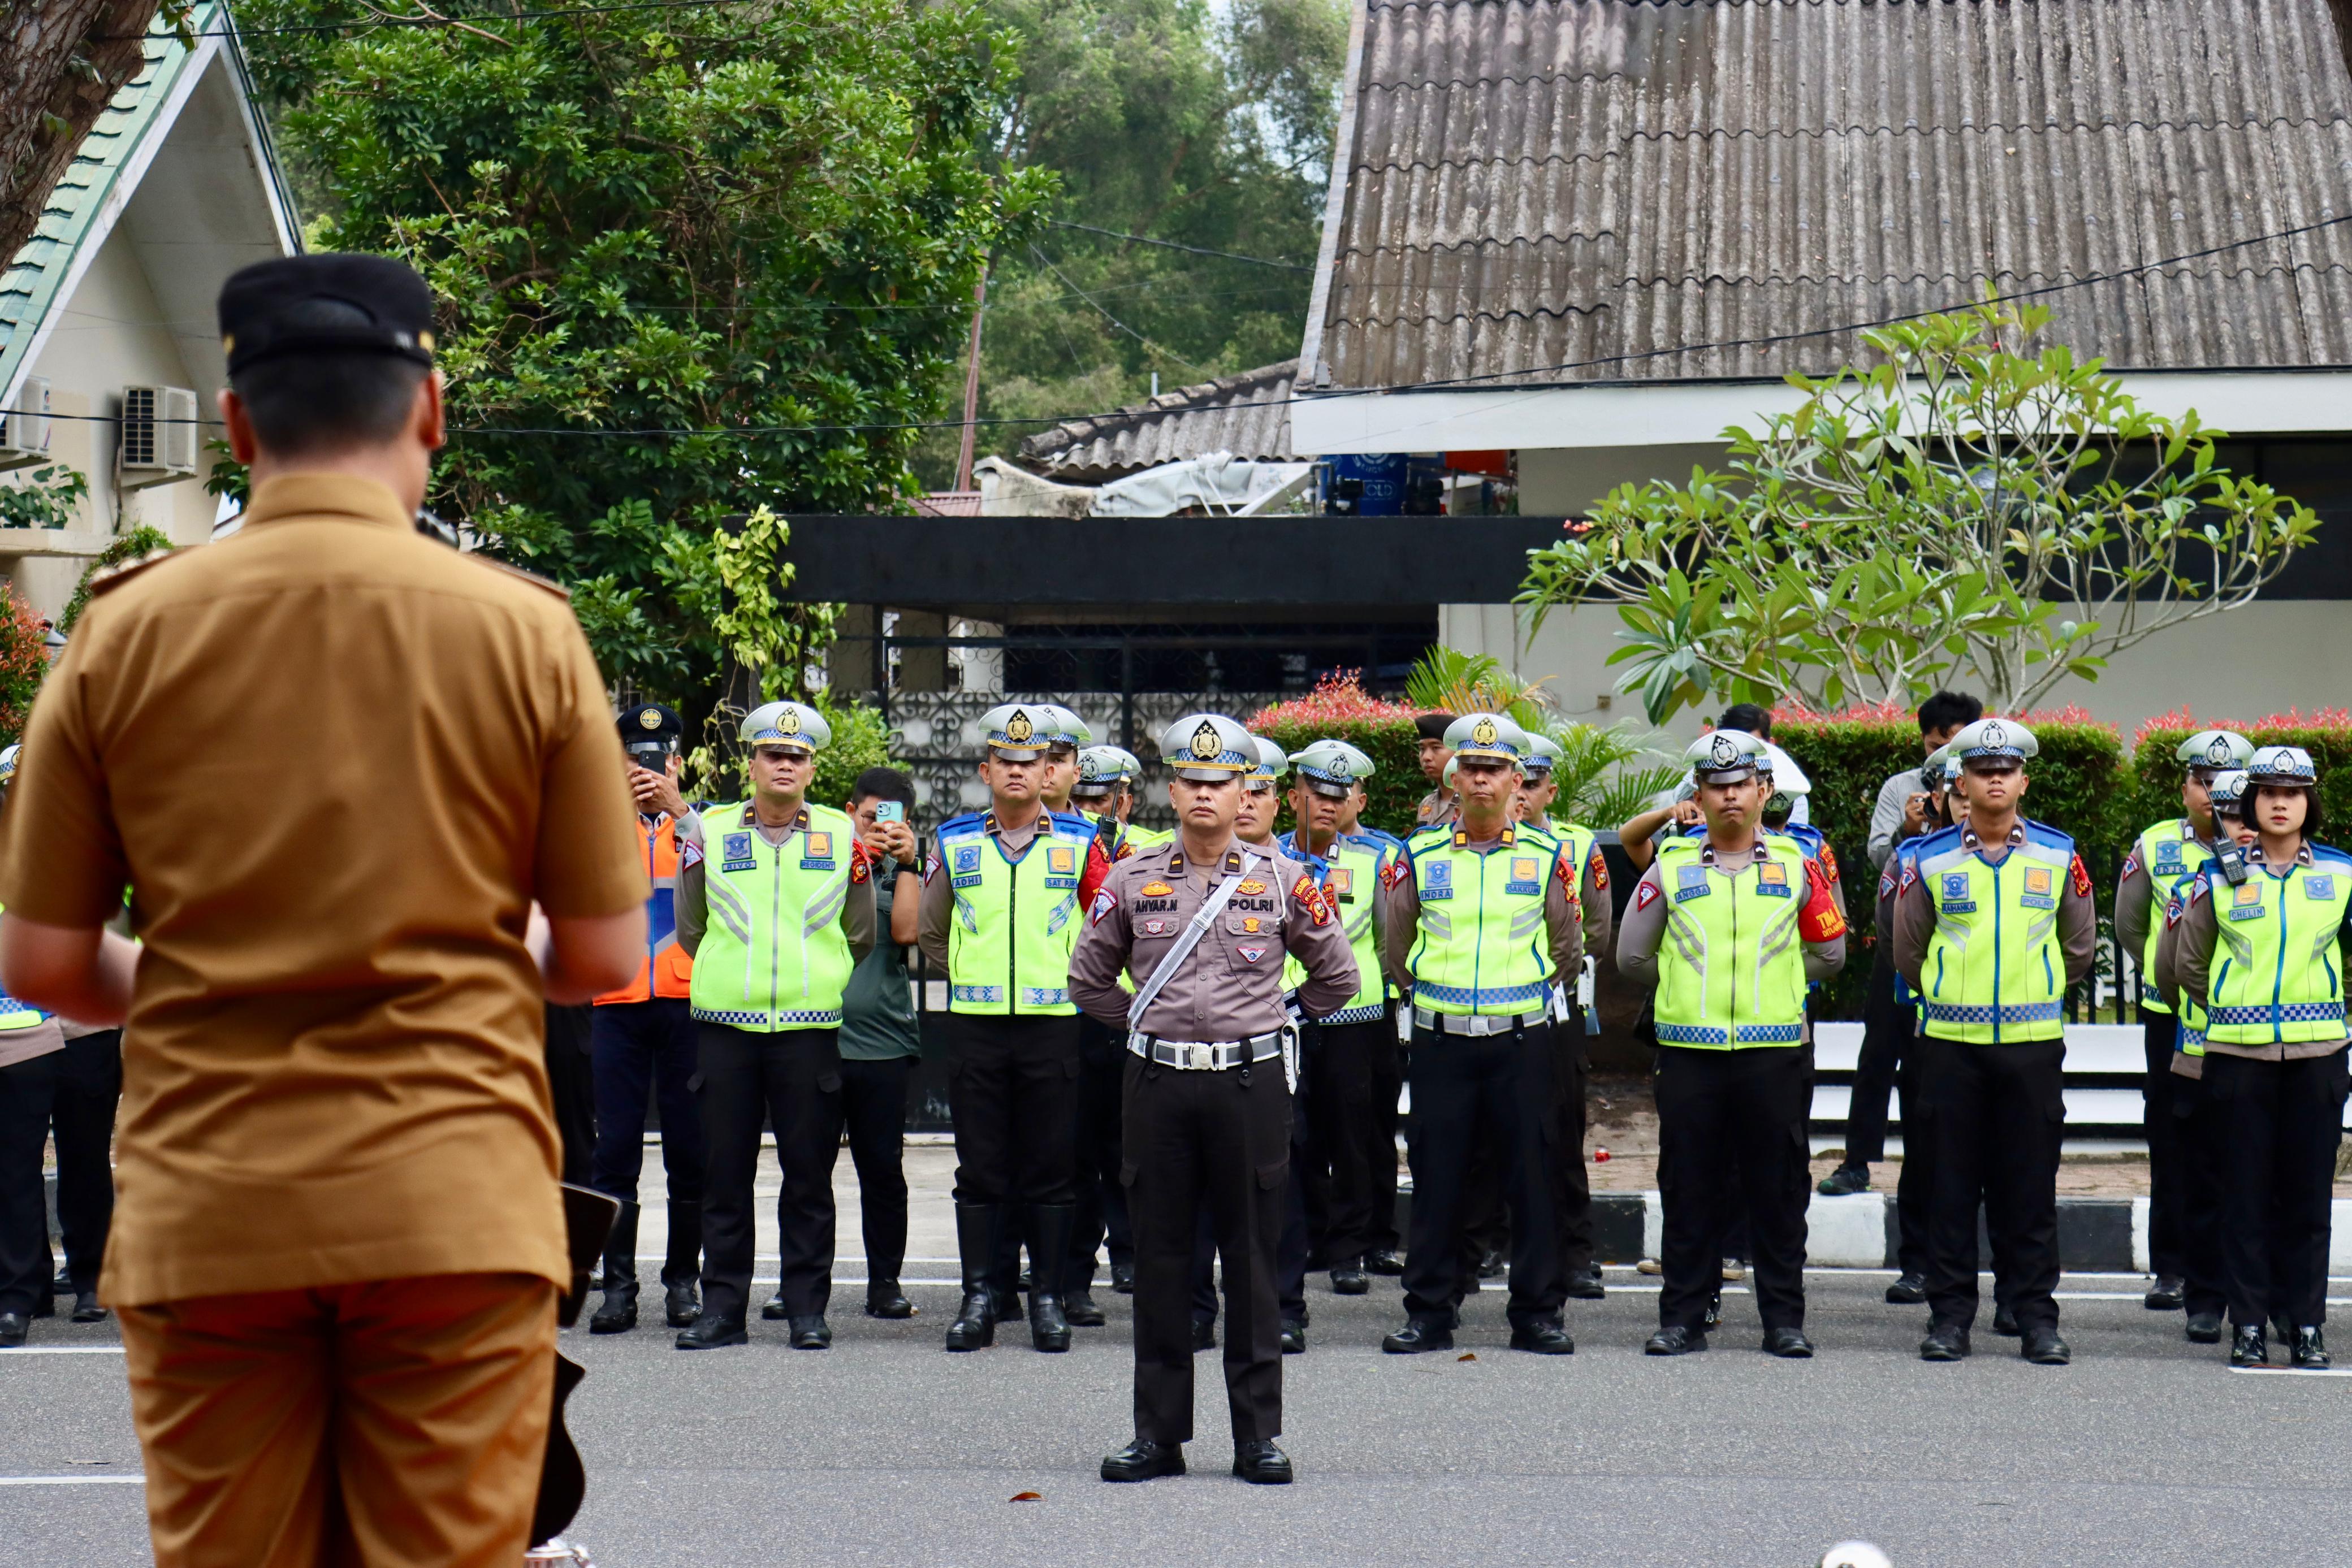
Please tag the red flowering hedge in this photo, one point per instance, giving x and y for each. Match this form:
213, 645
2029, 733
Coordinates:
24, 663
1340, 709
2153, 784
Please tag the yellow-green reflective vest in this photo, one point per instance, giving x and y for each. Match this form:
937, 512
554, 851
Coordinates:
1731, 966
1994, 972
2169, 852
1352, 865
773, 955
16, 1014
1015, 921
2274, 975
1483, 947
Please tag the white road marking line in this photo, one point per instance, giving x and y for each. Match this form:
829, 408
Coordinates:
2295, 1371
63, 1349
73, 1480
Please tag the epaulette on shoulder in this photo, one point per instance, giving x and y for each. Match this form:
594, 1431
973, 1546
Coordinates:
966, 822
1070, 824
2043, 832
107, 578
1537, 831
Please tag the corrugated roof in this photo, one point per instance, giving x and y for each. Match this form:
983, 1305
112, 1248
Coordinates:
29, 286
1532, 183
1246, 415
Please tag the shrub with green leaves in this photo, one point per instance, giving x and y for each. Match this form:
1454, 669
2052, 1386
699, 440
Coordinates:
2152, 789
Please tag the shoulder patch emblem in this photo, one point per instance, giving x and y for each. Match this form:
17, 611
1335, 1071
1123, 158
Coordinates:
1310, 898
1105, 902
861, 864
1828, 857
2082, 875
1395, 872
1646, 893
1596, 866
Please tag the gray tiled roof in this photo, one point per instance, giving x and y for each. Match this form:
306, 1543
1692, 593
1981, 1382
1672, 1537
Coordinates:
1246, 415
1534, 183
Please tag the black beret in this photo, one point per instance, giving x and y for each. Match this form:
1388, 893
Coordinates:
650, 721
1433, 726
325, 304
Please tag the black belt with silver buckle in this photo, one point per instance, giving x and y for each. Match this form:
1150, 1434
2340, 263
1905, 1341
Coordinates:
1205, 1055
1477, 1023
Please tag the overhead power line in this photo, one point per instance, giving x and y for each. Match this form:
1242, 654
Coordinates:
1172, 245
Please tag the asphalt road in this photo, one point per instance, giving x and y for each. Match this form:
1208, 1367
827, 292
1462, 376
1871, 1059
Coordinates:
2147, 1451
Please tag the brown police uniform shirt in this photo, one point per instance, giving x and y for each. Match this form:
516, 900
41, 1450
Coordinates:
1230, 987
336, 761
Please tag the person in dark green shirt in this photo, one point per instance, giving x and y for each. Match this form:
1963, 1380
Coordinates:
881, 1034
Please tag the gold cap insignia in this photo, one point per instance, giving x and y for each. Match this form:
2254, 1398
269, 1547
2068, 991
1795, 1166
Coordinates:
650, 718
1206, 746
789, 721
1018, 729
1484, 732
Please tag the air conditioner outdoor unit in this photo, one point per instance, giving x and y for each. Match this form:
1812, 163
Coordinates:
159, 436
25, 424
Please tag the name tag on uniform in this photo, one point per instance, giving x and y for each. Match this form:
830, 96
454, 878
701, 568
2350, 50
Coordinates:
1772, 880
1061, 866
1691, 883
1526, 875
2319, 887
817, 852
2168, 860
1439, 882
1340, 884
1956, 899
2246, 902
2037, 894
967, 866
735, 853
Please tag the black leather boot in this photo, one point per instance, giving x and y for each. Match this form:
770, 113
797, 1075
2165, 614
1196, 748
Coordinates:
682, 1270
618, 1315
978, 1226
1049, 1229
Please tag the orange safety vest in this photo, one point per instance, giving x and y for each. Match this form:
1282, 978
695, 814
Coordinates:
667, 969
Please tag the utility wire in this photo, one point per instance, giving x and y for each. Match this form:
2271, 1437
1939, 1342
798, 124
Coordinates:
1447, 383
1171, 245
368, 24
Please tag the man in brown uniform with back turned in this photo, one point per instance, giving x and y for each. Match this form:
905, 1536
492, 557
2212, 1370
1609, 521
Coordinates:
339, 1236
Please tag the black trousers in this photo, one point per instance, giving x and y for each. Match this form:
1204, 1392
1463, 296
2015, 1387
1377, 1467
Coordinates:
1102, 1202
27, 1093
1915, 1190
2281, 1122
642, 1051
1351, 1068
1293, 1249
1571, 1181
573, 1087
1219, 1140
793, 1079
2168, 1148
1498, 1088
1998, 1116
1886, 1035
874, 1108
2206, 1178
88, 1086
1731, 1144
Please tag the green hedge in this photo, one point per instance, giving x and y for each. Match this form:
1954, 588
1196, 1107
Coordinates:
2075, 785
1396, 786
2153, 783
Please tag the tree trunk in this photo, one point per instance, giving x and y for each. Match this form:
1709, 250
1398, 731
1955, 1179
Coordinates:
61, 62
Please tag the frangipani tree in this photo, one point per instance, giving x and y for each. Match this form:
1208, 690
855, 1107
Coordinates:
1964, 508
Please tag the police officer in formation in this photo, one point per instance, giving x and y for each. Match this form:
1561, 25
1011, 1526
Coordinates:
642, 1048
1344, 1051
1483, 922
1730, 926
1201, 932
1993, 921
775, 901
1000, 915
2161, 859
1105, 792
2260, 949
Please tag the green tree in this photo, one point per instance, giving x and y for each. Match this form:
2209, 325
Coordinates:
741, 221
1161, 119
1961, 506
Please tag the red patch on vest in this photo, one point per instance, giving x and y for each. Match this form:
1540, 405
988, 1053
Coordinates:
861, 864
2082, 875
